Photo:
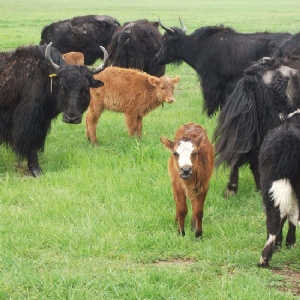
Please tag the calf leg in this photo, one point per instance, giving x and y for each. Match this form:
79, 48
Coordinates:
181, 208
131, 123
139, 126
91, 120
33, 163
197, 207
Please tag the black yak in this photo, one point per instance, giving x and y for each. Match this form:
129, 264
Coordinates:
35, 86
134, 45
279, 166
81, 34
268, 91
218, 54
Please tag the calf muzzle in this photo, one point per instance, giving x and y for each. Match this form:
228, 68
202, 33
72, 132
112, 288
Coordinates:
185, 172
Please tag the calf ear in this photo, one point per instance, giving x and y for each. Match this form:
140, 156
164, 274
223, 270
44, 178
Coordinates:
199, 140
167, 143
176, 79
153, 80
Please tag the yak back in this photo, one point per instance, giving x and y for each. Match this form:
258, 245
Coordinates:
220, 55
81, 34
255, 106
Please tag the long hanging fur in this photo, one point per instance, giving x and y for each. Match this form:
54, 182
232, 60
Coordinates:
254, 107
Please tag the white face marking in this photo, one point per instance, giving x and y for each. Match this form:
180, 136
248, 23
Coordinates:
284, 197
184, 150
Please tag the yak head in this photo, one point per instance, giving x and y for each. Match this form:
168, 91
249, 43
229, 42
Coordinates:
172, 41
71, 87
185, 154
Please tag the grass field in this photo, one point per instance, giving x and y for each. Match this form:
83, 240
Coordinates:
99, 224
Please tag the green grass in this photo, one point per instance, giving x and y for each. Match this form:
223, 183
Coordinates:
99, 224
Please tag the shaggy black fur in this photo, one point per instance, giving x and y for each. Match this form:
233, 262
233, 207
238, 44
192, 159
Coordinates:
253, 108
279, 159
83, 34
219, 55
134, 45
28, 103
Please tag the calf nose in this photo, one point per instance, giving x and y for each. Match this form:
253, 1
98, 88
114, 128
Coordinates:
185, 172
170, 100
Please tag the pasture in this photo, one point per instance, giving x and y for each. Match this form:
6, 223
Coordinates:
99, 224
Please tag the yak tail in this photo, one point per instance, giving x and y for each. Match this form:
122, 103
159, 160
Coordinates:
237, 129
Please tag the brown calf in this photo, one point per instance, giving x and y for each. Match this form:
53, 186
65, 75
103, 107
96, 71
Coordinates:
74, 58
132, 92
190, 168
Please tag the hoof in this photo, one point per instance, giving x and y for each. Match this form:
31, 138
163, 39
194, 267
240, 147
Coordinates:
198, 236
229, 193
231, 190
290, 246
263, 263
36, 172
277, 247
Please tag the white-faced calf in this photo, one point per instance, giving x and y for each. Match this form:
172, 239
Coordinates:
132, 92
190, 168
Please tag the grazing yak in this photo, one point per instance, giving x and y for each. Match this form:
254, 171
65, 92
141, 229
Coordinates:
279, 165
218, 54
190, 168
81, 34
267, 92
35, 86
132, 92
134, 45
75, 58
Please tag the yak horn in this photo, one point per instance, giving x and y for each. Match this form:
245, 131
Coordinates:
182, 25
105, 59
170, 30
48, 57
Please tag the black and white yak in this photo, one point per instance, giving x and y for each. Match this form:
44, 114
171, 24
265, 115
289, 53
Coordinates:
279, 166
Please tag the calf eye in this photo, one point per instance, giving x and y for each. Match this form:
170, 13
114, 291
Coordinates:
175, 154
194, 154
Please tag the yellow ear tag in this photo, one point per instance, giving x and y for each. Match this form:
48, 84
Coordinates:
51, 76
